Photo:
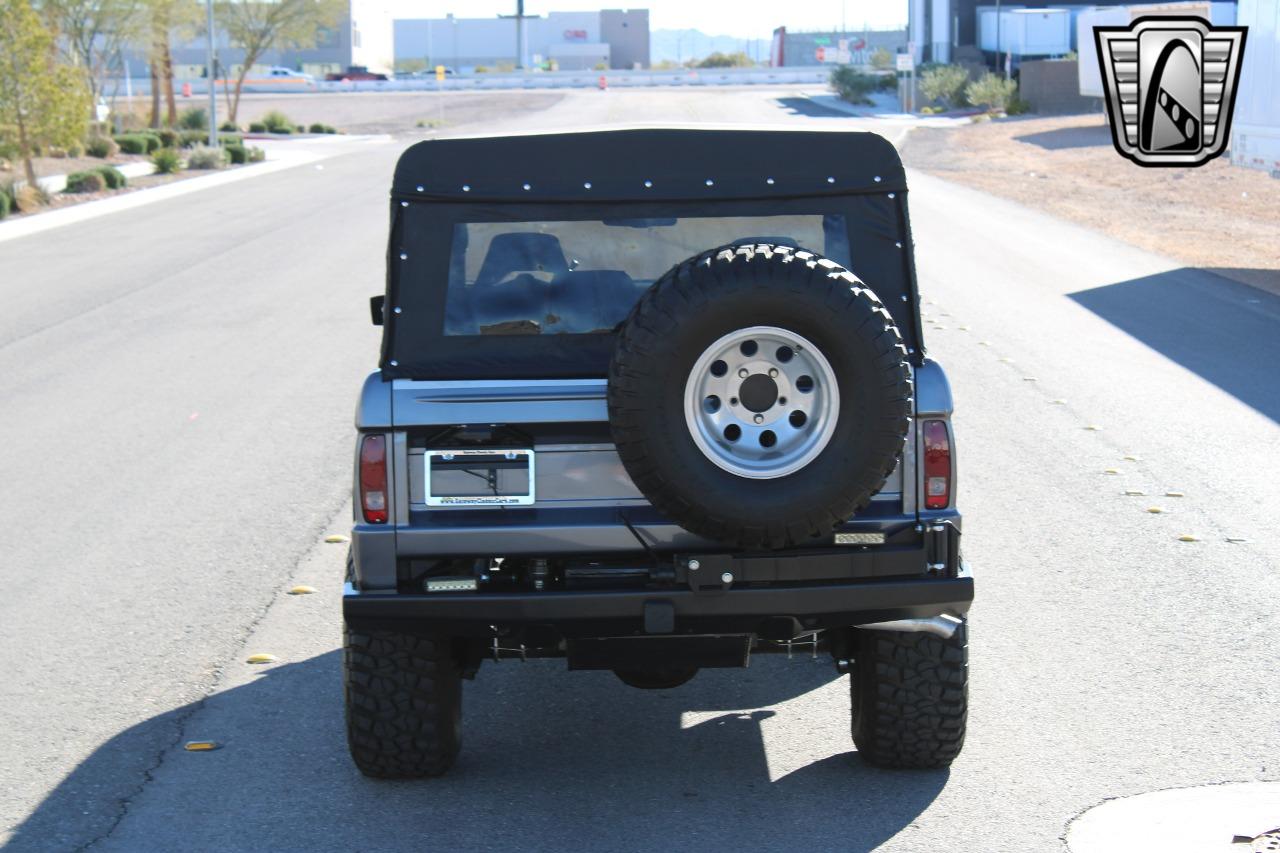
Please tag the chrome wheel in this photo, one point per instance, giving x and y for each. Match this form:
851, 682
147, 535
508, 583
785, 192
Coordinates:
761, 402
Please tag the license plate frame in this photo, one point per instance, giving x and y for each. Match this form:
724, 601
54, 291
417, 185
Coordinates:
492, 458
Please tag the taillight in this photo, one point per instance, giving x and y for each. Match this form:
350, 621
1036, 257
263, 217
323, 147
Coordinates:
937, 465
373, 478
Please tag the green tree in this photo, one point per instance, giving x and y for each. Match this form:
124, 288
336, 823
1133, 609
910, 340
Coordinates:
943, 83
92, 33
257, 26
42, 103
727, 60
881, 59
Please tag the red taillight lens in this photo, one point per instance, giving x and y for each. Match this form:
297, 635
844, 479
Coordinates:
373, 478
937, 465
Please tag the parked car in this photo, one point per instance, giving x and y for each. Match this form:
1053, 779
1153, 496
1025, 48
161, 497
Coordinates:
280, 74
355, 72
653, 401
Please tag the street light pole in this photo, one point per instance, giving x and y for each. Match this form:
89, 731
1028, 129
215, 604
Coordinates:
213, 94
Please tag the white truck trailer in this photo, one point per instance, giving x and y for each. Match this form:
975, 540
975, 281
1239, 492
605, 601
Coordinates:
1219, 14
1255, 130
1024, 33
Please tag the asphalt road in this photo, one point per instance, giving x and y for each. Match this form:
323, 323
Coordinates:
177, 382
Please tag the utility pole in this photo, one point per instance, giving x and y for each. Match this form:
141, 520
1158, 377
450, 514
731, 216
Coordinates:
213, 73
520, 17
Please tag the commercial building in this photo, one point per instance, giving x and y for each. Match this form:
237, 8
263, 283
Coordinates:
362, 36
610, 38
951, 30
832, 47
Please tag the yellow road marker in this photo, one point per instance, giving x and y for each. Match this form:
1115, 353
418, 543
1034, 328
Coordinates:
260, 658
336, 539
201, 746
1155, 510
1174, 495
1093, 428
1187, 537
302, 589
1132, 492
1112, 471
1128, 458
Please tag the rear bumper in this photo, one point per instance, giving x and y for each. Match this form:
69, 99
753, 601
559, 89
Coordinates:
777, 610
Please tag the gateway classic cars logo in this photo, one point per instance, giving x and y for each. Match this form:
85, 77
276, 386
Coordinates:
1170, 84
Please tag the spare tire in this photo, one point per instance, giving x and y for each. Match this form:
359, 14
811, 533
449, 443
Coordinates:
759, 395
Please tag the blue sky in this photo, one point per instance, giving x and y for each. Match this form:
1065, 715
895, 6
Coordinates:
737, 18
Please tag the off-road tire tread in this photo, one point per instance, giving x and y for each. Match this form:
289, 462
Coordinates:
739, 269
910, 697
403, 703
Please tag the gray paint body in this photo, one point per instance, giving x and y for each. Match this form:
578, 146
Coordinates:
581, 489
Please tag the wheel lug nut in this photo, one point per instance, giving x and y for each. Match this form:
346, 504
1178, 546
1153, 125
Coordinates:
773, 372
758, 419
744, 373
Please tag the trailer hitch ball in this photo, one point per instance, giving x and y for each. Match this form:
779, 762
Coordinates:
727, 577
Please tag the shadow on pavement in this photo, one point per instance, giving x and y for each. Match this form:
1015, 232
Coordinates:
808, 107
1226, 332
1068, 137
551, 760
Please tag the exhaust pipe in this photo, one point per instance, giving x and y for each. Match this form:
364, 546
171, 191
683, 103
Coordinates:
943, 626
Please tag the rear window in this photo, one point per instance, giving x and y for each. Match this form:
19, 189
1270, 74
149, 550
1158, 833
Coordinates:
582, 277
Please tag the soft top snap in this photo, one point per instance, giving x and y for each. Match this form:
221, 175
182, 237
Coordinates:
650, 163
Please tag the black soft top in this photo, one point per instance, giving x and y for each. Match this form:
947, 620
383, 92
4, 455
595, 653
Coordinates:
650, 172
649, 164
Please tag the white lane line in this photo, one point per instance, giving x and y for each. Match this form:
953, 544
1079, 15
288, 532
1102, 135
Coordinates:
93, 209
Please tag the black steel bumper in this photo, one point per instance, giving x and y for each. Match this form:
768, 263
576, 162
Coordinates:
764, 598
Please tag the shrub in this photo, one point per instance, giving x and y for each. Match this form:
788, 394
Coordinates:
991, 91
301, 128
881, 59
168, 138
1017, 106
85, 182
235, 154
190, 138
4, 205
855, 86
166, 161
203, 157
112, 177
193, 118
316, 128
943, 83
27, 198
255, 155
101, 147
275, 121
229, 127
257, 127
131, 143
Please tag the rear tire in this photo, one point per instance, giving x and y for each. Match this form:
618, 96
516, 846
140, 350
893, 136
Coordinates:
910, 697
403, 703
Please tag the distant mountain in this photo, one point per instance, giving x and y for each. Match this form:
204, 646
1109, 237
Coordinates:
681, 45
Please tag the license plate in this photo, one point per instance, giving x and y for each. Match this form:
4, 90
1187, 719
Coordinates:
478, 477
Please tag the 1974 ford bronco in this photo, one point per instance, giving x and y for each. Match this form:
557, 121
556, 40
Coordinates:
653, 400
